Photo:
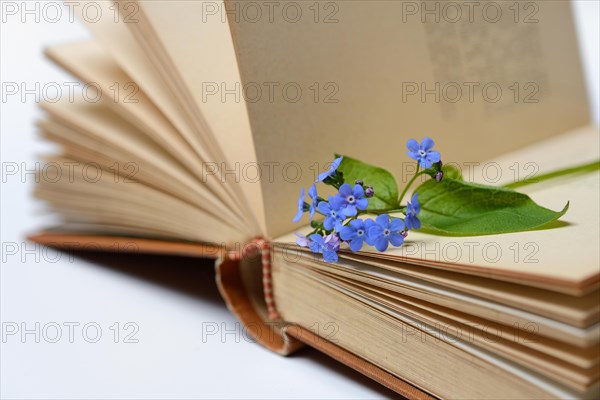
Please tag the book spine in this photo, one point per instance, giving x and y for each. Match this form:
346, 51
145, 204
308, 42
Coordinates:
252, 304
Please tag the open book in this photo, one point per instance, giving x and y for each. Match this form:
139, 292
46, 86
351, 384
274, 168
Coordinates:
201, 120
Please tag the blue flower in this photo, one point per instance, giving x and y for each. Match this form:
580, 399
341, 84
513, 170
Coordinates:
302, 240
300, 206
312, 193
328, 245
334, 166
352, 199
422, 152
384, 231
413, 208
334, 214
355, 233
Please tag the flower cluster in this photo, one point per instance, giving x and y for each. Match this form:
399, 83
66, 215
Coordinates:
342, 224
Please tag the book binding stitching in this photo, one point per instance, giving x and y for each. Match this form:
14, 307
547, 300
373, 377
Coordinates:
264, 248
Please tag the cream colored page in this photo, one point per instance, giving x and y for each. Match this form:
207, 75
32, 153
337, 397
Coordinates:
100, 123
112, 32
562, 255
201, 55
358, 63
109, 201
423, 360
89, 62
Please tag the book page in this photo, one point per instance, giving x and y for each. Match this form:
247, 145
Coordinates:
91, 63
422, 357
119, 141
111, 31
361, 77
196, 56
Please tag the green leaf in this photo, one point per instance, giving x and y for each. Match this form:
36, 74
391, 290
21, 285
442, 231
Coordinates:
386, 189
458, 208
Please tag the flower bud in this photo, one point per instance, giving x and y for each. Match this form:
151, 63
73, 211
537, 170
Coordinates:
439, 176
358, 182
404, 233
369, 191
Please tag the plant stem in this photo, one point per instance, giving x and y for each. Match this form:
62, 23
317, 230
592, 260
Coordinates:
410, 183
583, 168
389, 211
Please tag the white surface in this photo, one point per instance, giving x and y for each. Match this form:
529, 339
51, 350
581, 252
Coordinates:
170, 360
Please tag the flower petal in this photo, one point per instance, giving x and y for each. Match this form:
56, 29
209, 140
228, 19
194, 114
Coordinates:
302, 240
336, 202
345, 190
427, 144
381, 244
396, 225
412, 223
412, 145
315, 247
434, 156
298, 216
329, 223
374, 232
425, 163
356, 244
362, 204
414, 155
358, 191
324, 207
315, 237
347, 233
312, 192
332, 242
383, 220
322, 176
357, 224
415, 199
349, 211
416, 223
336, 163
396, 239
330, 256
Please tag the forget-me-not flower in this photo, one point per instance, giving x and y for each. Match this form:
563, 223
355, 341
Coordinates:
355, 233
302, 240
328, 245
422, 152
312, 193
333, 211
300, 206
352, 198
334, 166
413, 208
385, 231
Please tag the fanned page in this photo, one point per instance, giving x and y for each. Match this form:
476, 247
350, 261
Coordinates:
202, 155
361, 77
152, 126
195, 56
561, 257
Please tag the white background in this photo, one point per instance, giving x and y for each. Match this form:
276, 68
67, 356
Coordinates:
171, 305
